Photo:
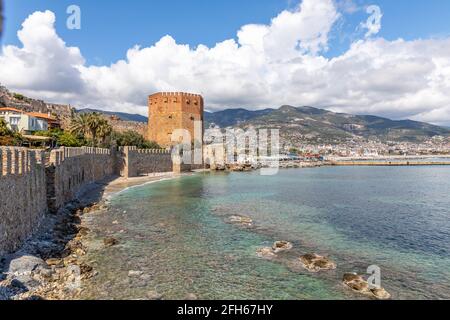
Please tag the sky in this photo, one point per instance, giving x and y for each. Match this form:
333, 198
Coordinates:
382, 57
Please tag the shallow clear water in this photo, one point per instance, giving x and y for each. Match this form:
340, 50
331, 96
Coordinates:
175, 233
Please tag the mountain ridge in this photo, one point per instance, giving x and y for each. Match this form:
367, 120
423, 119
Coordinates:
314, 125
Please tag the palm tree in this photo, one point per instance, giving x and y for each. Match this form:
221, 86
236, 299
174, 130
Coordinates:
91, 125
104, 129
79, 125
94, 121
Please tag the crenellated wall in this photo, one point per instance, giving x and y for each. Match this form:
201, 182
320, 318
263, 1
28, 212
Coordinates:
23, 197
33, 183
69, 169
135, 162
171, 111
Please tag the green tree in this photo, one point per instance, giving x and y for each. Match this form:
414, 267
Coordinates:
4, 130
7, 136
91, 125
104, 130
67, 139
79, 125
132, 138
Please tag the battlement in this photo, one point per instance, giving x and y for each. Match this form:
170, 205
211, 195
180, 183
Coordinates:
19, 161
143, 151
175, 94
170, 111
58, 156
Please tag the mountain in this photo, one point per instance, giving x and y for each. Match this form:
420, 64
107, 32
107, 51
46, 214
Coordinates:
298, 125
313, 125
122, 115
232, 117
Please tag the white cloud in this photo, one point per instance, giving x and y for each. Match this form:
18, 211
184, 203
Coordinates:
373, 23
44, 63
267, 66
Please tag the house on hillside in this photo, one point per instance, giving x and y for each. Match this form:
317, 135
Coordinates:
25, 122
52, 122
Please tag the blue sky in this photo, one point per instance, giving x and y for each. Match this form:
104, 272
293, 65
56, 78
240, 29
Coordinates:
250, 54
110, 28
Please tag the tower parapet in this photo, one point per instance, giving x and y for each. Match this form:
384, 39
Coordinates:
169, 111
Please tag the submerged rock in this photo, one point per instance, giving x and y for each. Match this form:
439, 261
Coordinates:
380, 293
266, 253
242, 220
83, 231
315, 263
153, 295
191, 296
358, 284
109, 242
281, 246
133, 273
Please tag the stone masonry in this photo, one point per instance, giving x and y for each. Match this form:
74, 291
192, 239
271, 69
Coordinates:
169, 111
134, 162
69, 169
23, 198
33, 183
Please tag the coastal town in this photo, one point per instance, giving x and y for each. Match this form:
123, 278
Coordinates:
299, 150
52, 161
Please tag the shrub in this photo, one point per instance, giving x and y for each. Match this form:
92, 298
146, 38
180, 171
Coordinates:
19, 96
132, 138
67, 139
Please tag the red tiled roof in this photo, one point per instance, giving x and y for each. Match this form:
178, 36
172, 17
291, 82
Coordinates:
12, 109
33, 114
42, 116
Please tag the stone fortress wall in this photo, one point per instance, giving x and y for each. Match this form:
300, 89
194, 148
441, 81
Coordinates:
33, 183
69, 169
23, 197
134, 162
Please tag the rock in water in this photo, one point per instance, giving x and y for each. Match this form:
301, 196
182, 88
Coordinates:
109, 242
133, 273
191, 296
281, 246
266, 253
380, 293
315, 263
244, 221
153, 295
358, 284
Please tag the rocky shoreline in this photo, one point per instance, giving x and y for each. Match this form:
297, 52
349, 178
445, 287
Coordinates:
50, 265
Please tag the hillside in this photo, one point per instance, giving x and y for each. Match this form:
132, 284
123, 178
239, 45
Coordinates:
298, 125
123, 116
312, 125
18, 101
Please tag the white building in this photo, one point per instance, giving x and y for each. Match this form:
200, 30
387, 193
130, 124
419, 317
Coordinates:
20, 121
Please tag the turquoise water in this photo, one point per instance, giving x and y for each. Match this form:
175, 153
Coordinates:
176, 234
